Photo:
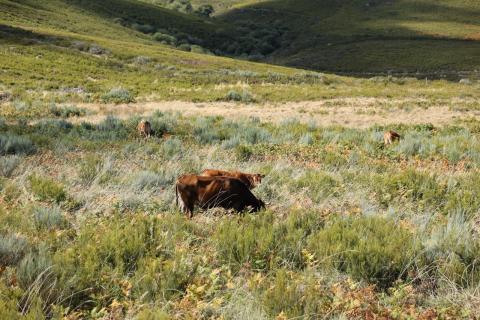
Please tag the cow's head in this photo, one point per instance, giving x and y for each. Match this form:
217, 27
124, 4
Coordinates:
255, 179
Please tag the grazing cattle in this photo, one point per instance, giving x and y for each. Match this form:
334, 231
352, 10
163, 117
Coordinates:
210, 192
250, 180
144, 129
390, 136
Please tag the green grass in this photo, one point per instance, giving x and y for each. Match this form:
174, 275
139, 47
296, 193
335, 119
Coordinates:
69, 50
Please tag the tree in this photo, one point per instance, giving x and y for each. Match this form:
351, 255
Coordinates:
205, 10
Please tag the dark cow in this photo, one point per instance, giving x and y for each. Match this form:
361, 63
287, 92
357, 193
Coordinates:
210, 192
250, 180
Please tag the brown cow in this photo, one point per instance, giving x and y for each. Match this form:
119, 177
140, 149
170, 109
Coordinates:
250, 180
210, 192
390, 136
144, 129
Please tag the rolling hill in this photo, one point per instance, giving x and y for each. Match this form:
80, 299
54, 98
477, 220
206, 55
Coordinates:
359, 36
82, 49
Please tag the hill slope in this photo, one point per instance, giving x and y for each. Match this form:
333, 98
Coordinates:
72, 49
372, 36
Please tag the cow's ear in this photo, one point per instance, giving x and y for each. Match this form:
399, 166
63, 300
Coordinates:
262, 176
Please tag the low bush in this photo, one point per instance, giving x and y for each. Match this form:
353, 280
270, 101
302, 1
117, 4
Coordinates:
144, 28
243, 153
118, 95
13, 144
89, 168
453, 251
49, 218
244, 96
12, 249
47, 189
67, 111
150, 180
8, 164
165, 38
374, 249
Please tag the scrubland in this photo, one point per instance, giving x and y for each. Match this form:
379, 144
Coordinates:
353, 229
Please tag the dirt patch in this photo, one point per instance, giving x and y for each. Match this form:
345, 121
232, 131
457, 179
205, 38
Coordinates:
349, 112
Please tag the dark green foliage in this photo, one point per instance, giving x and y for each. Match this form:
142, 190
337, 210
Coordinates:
371, 248
205, 10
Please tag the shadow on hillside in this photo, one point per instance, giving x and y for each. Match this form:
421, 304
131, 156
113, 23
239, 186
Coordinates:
144, 13
19, 36
369, 35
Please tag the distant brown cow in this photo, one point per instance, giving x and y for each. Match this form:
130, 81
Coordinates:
144, 129
250, 180
210, 192
390, 136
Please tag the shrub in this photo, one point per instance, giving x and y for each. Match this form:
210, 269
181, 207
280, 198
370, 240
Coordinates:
453, 252
35, 267
306, 139
243, 153
165, 38
13, 144
184, 47
422, 188
198, 49
89, 169
12, 249
97, 50
118, 95
150, 180
53, 127
8, 165
142, 60
67, 111
144, 28
205, 10
49, 218
367, 248
172, 148
246, 240
245, 96
47, 189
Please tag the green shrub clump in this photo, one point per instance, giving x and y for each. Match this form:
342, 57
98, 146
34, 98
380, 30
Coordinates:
47, 189
367, 248
245, 96
118, 95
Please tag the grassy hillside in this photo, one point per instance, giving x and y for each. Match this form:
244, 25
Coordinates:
372, 36
82, 50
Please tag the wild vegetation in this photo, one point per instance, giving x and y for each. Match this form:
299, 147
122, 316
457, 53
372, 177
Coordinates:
353, 229
89, 226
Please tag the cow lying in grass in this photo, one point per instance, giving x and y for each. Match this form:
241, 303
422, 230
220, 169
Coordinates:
210, 192
250, 180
